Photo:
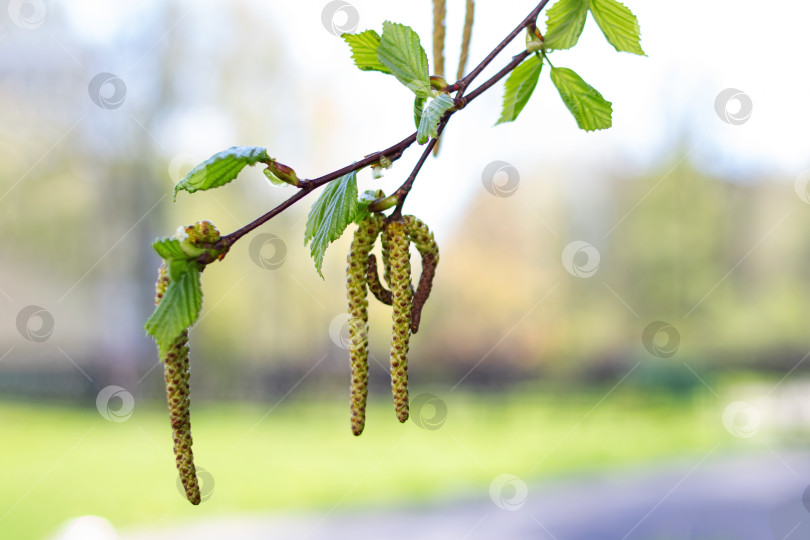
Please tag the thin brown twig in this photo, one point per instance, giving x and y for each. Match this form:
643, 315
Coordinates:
527, 22
396, 151
405, 188
392, 153
516, 60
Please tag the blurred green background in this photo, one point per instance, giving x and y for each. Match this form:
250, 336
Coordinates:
609, 310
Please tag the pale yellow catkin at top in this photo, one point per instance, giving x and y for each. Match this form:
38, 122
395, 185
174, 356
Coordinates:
469, 17
439, 14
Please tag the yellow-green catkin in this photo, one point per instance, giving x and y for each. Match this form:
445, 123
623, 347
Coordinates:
357, 292
385, 256
176, 375
423, 239
399, 266
439, 31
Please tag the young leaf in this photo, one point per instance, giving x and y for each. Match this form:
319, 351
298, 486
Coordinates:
179, 307
330, 215
364, 50
618, 24
363, 201
418, 110
429, 124
401, 51
565, 22
221, 168
273, 179
169, 248
587, 106
519, 87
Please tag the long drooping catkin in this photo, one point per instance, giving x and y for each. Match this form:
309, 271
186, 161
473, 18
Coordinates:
399, 265
439, 13
422, 291
423, 239
357, 292
466, 38
176, 375
385, 257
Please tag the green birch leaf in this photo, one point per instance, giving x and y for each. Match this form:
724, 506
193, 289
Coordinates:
587, 106
169, 248
221, 168
519, 87
401, 52
364, 50
180, 306
564, 24
330, 215
429, 124
618, 24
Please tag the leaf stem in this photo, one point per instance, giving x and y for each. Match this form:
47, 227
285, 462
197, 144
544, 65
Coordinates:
545, 57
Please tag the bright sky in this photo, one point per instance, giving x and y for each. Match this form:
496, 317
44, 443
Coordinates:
696, 49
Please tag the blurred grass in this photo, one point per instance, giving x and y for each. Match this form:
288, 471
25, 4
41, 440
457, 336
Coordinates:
62, 462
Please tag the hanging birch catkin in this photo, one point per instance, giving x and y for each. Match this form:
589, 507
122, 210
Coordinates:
176, 376
398, 266
356, 286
